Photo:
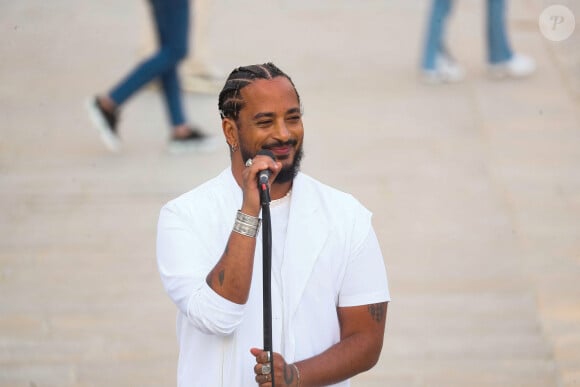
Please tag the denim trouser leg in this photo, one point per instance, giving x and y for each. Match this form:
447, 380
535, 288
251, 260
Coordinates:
435, 32
172, 21
498, 47
173, 30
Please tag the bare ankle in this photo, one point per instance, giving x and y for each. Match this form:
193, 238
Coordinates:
107, 103
181, 131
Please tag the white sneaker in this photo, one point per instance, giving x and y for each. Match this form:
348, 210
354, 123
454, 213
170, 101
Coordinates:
519, 66
446, 70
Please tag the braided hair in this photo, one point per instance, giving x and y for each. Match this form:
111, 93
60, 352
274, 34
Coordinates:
230, 100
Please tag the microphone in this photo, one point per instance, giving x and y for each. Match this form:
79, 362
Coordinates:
264, 175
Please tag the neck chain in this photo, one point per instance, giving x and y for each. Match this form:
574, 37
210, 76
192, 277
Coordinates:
282, 199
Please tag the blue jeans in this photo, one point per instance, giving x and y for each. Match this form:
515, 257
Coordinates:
172, 22
498, 47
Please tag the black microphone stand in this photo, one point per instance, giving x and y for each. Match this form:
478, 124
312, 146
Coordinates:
267, 272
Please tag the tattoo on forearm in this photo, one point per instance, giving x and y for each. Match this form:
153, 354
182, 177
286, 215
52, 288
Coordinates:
376, 311
221, 275
288, 374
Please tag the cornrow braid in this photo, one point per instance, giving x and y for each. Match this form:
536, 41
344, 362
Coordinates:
230, 100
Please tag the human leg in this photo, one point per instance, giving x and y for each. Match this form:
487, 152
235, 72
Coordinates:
173, 30
172, 21
498, 47
502, 60
151, 68
437, 64
435, 32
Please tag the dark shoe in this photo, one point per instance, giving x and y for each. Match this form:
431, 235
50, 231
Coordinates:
105, 122
196, 140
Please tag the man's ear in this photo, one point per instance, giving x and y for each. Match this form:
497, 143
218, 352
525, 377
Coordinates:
230, 132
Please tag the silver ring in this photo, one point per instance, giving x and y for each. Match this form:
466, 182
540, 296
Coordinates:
249, 162
266, 369
268, 356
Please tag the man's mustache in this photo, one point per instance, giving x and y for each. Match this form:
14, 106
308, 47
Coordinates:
292, 142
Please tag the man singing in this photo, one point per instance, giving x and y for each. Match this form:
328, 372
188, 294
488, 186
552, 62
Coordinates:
329, 284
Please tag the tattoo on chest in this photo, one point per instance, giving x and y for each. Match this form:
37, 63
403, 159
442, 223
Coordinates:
376, 311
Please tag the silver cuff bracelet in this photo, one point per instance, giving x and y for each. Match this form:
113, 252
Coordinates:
247, 225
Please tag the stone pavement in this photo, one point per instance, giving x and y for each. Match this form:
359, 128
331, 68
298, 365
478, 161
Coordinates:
475, 188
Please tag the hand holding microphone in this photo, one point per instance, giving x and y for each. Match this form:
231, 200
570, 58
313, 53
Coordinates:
264, 178
264, 175
256, 177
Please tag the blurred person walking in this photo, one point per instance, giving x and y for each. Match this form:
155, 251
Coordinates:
197, 73
438, 65
172, 24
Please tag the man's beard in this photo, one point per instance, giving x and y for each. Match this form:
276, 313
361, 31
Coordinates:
288, 173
